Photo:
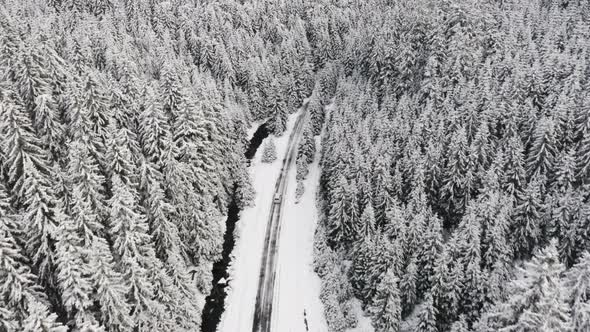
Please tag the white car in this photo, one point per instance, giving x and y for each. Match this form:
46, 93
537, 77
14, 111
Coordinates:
277, 198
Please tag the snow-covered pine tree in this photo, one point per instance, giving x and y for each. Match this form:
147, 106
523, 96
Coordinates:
317, 113
48, 126
301, 170
277, 107
137, 260
430, 250
541, 154
537, 300
408, 287
513, 175
454, 189
244, 193
40, 318
87, 202
111, 288
306, 149
269, 151
24, 303
386, 305
460, 325
154, 130
340, 219
299, 190
119, 158
577, 284
73, 274
427, 315
526, 226
367, 226
28, 171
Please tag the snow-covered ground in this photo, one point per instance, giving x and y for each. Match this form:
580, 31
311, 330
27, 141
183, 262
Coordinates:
364, 322
249, 234
298, 286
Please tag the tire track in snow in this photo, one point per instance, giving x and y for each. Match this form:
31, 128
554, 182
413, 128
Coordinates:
264, 297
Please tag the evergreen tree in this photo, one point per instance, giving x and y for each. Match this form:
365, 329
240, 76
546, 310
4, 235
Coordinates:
24, 302
367, 222
541, 155
111, 288
47, 124
455, 188
29, 173
73, 275
577, 284
537, 301
277, 108
527, 226
427, 316
339, 223
269, 152
386, 306
460, 325
154, 132
39, 318
306, 149
429, 252
132, 243
513, 170
408, 287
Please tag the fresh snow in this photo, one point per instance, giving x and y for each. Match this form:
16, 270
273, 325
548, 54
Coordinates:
249, 235
298, 286
364, 322
246, 257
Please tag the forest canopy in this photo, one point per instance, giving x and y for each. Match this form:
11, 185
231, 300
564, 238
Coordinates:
455, 157
457, 149
122, 133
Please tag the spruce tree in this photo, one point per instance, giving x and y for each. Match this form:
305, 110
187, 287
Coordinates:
339, 223
277, 107
427, 316
541, 155
269, 152
28, 170
526, 227
367, 222
537, 299
577, 283
408, 287
25, 305
132, 243
386, 305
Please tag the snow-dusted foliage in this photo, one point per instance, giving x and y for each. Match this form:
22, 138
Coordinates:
305, 154
456, 148
122, 133
336, 291
269, 151
536, 300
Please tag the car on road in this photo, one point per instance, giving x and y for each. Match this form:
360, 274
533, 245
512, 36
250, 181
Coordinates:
277, 198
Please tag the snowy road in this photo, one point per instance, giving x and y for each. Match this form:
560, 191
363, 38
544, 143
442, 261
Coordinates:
268, 268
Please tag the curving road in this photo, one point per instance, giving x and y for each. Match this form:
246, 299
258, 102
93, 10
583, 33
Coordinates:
266, 283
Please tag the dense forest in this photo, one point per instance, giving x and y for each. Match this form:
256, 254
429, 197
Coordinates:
456, 166
455, 157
